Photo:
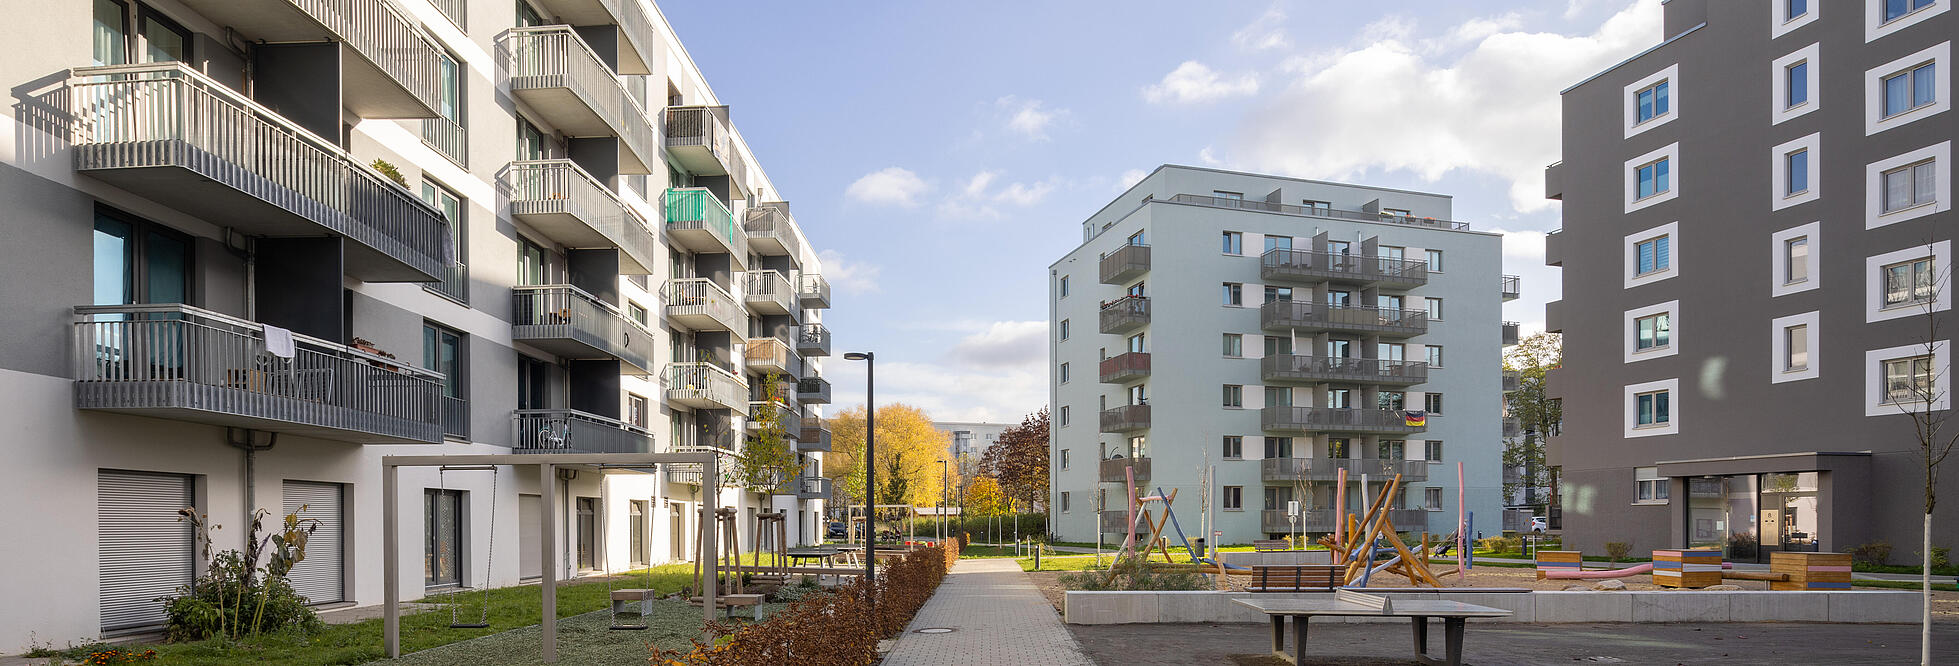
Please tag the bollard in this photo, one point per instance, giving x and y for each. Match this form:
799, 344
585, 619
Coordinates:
1037, 557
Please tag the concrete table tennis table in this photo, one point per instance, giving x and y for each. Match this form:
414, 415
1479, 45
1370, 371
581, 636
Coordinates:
1348, 603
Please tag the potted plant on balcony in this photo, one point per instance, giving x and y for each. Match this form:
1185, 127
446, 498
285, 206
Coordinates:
365, 345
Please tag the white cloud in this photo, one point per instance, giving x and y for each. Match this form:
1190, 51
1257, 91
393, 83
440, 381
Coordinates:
1193, 83
892, 186
976, 199
847, 275
1265, 32
1027, 117
1130, 178
1004, 344
976, 186
1416, 103
1023, 194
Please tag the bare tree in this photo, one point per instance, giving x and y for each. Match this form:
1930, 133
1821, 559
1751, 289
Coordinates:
1918, 387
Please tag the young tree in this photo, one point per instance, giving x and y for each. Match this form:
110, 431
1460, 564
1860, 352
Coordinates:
1019, 460
1536, 412
766, 464
1919, 388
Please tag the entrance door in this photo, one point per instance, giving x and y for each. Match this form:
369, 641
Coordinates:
144, 551
588, 530
320, 576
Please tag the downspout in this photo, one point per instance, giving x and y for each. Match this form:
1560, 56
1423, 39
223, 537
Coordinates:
246, 439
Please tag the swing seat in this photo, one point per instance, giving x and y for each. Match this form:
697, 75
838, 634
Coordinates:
469, 625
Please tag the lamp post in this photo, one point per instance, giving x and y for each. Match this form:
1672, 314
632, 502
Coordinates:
870, 460
944, 486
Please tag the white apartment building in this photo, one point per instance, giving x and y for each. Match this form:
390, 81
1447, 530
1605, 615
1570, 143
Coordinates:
218, 299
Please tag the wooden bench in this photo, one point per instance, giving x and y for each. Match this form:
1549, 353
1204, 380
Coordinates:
1296, 577
1454, 616
622, 597
1262, 545
729, 601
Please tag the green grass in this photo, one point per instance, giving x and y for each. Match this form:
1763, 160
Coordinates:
1900, 585
1902, 569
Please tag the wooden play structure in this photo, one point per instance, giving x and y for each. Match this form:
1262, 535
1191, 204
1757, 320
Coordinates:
1686, 568
1699, 568
727, 573
1358, 540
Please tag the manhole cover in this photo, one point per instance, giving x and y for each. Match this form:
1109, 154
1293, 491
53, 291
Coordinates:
1604, 660
933, 630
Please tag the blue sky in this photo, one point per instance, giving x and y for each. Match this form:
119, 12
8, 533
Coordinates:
944, 154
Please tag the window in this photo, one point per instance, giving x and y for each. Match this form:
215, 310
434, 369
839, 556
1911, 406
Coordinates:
1233, 196
1391, 252
1064, 459
448, 88
1234, 293
1908, 282
530, 140
442, 351
636, 410
1340, 398
1277, 498
1649, 102
1339, 447
1065, 501
1339, 297
1649, 254
1435, 261
1908, 380
1434, 307
1234, 447
442, 536
1654, 178
1793, 259
1432, 402
1393, 449
1276, 345
455, 280
1796, 85
1234, 345
1432, 450
157, 38
1234, 243
638, 313
1277, 242
1396, 212
1278, 447
1390, 351
1655, 255
1652, 331
1390, 302
111, 32
1278, 396
1910, 90
1064, 373
1794, 9
1434, 355
1391, 400
1064, 330
1432, 499
1275, 294
1650, 178
1652, 102
1138, 447
1653, 408
1234, 498
1064, 415
1795, 253
527, 17
1136, 344
1795, 354
1910, 186
1234, 395
1316, 207
1796, 165
1139, 290
1139, 238
1652, 486
1064, 286
139, 262
1896, 9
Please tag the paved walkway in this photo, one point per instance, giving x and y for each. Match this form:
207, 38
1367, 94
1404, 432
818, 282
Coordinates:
996, 616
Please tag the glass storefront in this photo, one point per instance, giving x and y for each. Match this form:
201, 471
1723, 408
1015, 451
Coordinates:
1749, 516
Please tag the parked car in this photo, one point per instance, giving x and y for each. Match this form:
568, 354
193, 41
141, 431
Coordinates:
836, 530
1539, 525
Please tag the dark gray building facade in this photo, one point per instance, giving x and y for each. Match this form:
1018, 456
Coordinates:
1776, 175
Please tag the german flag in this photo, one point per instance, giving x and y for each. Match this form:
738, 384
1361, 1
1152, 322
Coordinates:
1415, 418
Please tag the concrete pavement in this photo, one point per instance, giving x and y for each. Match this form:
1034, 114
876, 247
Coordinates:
996, 616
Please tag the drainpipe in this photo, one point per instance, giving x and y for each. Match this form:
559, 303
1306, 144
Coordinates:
246, 439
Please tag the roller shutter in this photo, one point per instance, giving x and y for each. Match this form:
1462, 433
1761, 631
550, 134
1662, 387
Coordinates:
145, 552
320, 577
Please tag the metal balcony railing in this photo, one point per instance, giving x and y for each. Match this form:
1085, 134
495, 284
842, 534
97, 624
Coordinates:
698, 137
813, 340
813, 488
554, 71
814, 291
169, 133
769, 292
1125, 263
701, 305
447, 138
1112, 470
690, 473
1287, 265
573, 431
640, 46
1291, 368
771, 231
179, 362
1281, 470
1125, 314
1114, 521
1126, 418
1512, 380
813, 390
815, 437
1333, 213
1513, 427
568, 205
1512, 288
1323, 520
786, 410
1511, 333
564, 320
769, 355
705, 386
393, 73
1309, 316
1286, 418
1125, 367
455, 417
698, 221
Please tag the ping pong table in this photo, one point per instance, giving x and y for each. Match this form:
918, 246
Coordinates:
1349, 603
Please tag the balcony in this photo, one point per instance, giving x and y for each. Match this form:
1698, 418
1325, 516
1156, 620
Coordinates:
1512, 288
1323, 520
1331, 213
1554, 316
1513, 427
448, 138
637, 50
690, 473
1287, 470
1125, 314
1126, 367
1309, 316
813, 390
698, 221
770, 356
1512, 380
815, 436
573, 431
1510, 333
455, 417
1126, 418
1295, 369
786, 411
1554, 180
189, 364
699, 138
813, 488
569, 206
554, 71
1125, 264
564, 320
814, 291
1308, 267
813, 340
1114, 521
705, 386
701, 305
1554, 248
772, 232
1287, 418
1113, 470
170, 134
769, 293
389, 67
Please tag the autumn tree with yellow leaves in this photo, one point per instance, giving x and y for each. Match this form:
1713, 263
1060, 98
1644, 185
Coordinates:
908, 453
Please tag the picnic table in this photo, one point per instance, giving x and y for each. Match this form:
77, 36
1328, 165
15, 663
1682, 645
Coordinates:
1349, 603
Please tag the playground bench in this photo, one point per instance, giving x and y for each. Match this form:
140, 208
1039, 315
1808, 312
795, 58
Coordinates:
622, 597
729, 601
1296, 577
1262, 545
1454, 616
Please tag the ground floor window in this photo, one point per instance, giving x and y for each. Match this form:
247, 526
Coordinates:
638, 532
588, 530
442, 532
1748, 516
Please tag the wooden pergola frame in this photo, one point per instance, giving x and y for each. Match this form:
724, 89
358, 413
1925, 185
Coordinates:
547, 465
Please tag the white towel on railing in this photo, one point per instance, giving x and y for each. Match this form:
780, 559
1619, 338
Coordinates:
278, 341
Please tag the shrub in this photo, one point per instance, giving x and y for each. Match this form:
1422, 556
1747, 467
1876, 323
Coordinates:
1617, 550
1875, 553
391, 171
1501, 544
1132, 575
234, 598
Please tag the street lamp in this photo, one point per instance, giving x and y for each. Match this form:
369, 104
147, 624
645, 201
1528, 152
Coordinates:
943, 485
870, 459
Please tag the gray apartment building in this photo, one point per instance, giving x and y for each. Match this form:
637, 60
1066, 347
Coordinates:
254, 246
1280, 330
1719, 179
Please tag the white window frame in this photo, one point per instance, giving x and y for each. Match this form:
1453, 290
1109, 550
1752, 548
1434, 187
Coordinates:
1432, 307
1633, 353
1064, 330
1779, 195
1672, 427
1780, 24
1874, 359
1670, 153
1432, 253
1941, 54
1064, 372
1941, 253
1874, 215
1672, 231
1671, 75
1779, 259
1432, 499
1224, 492
1875, 26
1779, 347
1643, 476
1779, 111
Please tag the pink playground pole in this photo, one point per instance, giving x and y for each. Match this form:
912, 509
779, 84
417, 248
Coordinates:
1129, 483
1339, 516
1462, 525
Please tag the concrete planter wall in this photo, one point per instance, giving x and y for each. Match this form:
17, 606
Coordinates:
1867, 607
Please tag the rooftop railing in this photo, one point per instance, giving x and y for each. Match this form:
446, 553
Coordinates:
1317, 211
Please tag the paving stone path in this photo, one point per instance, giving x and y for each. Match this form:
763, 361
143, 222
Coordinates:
996, 615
